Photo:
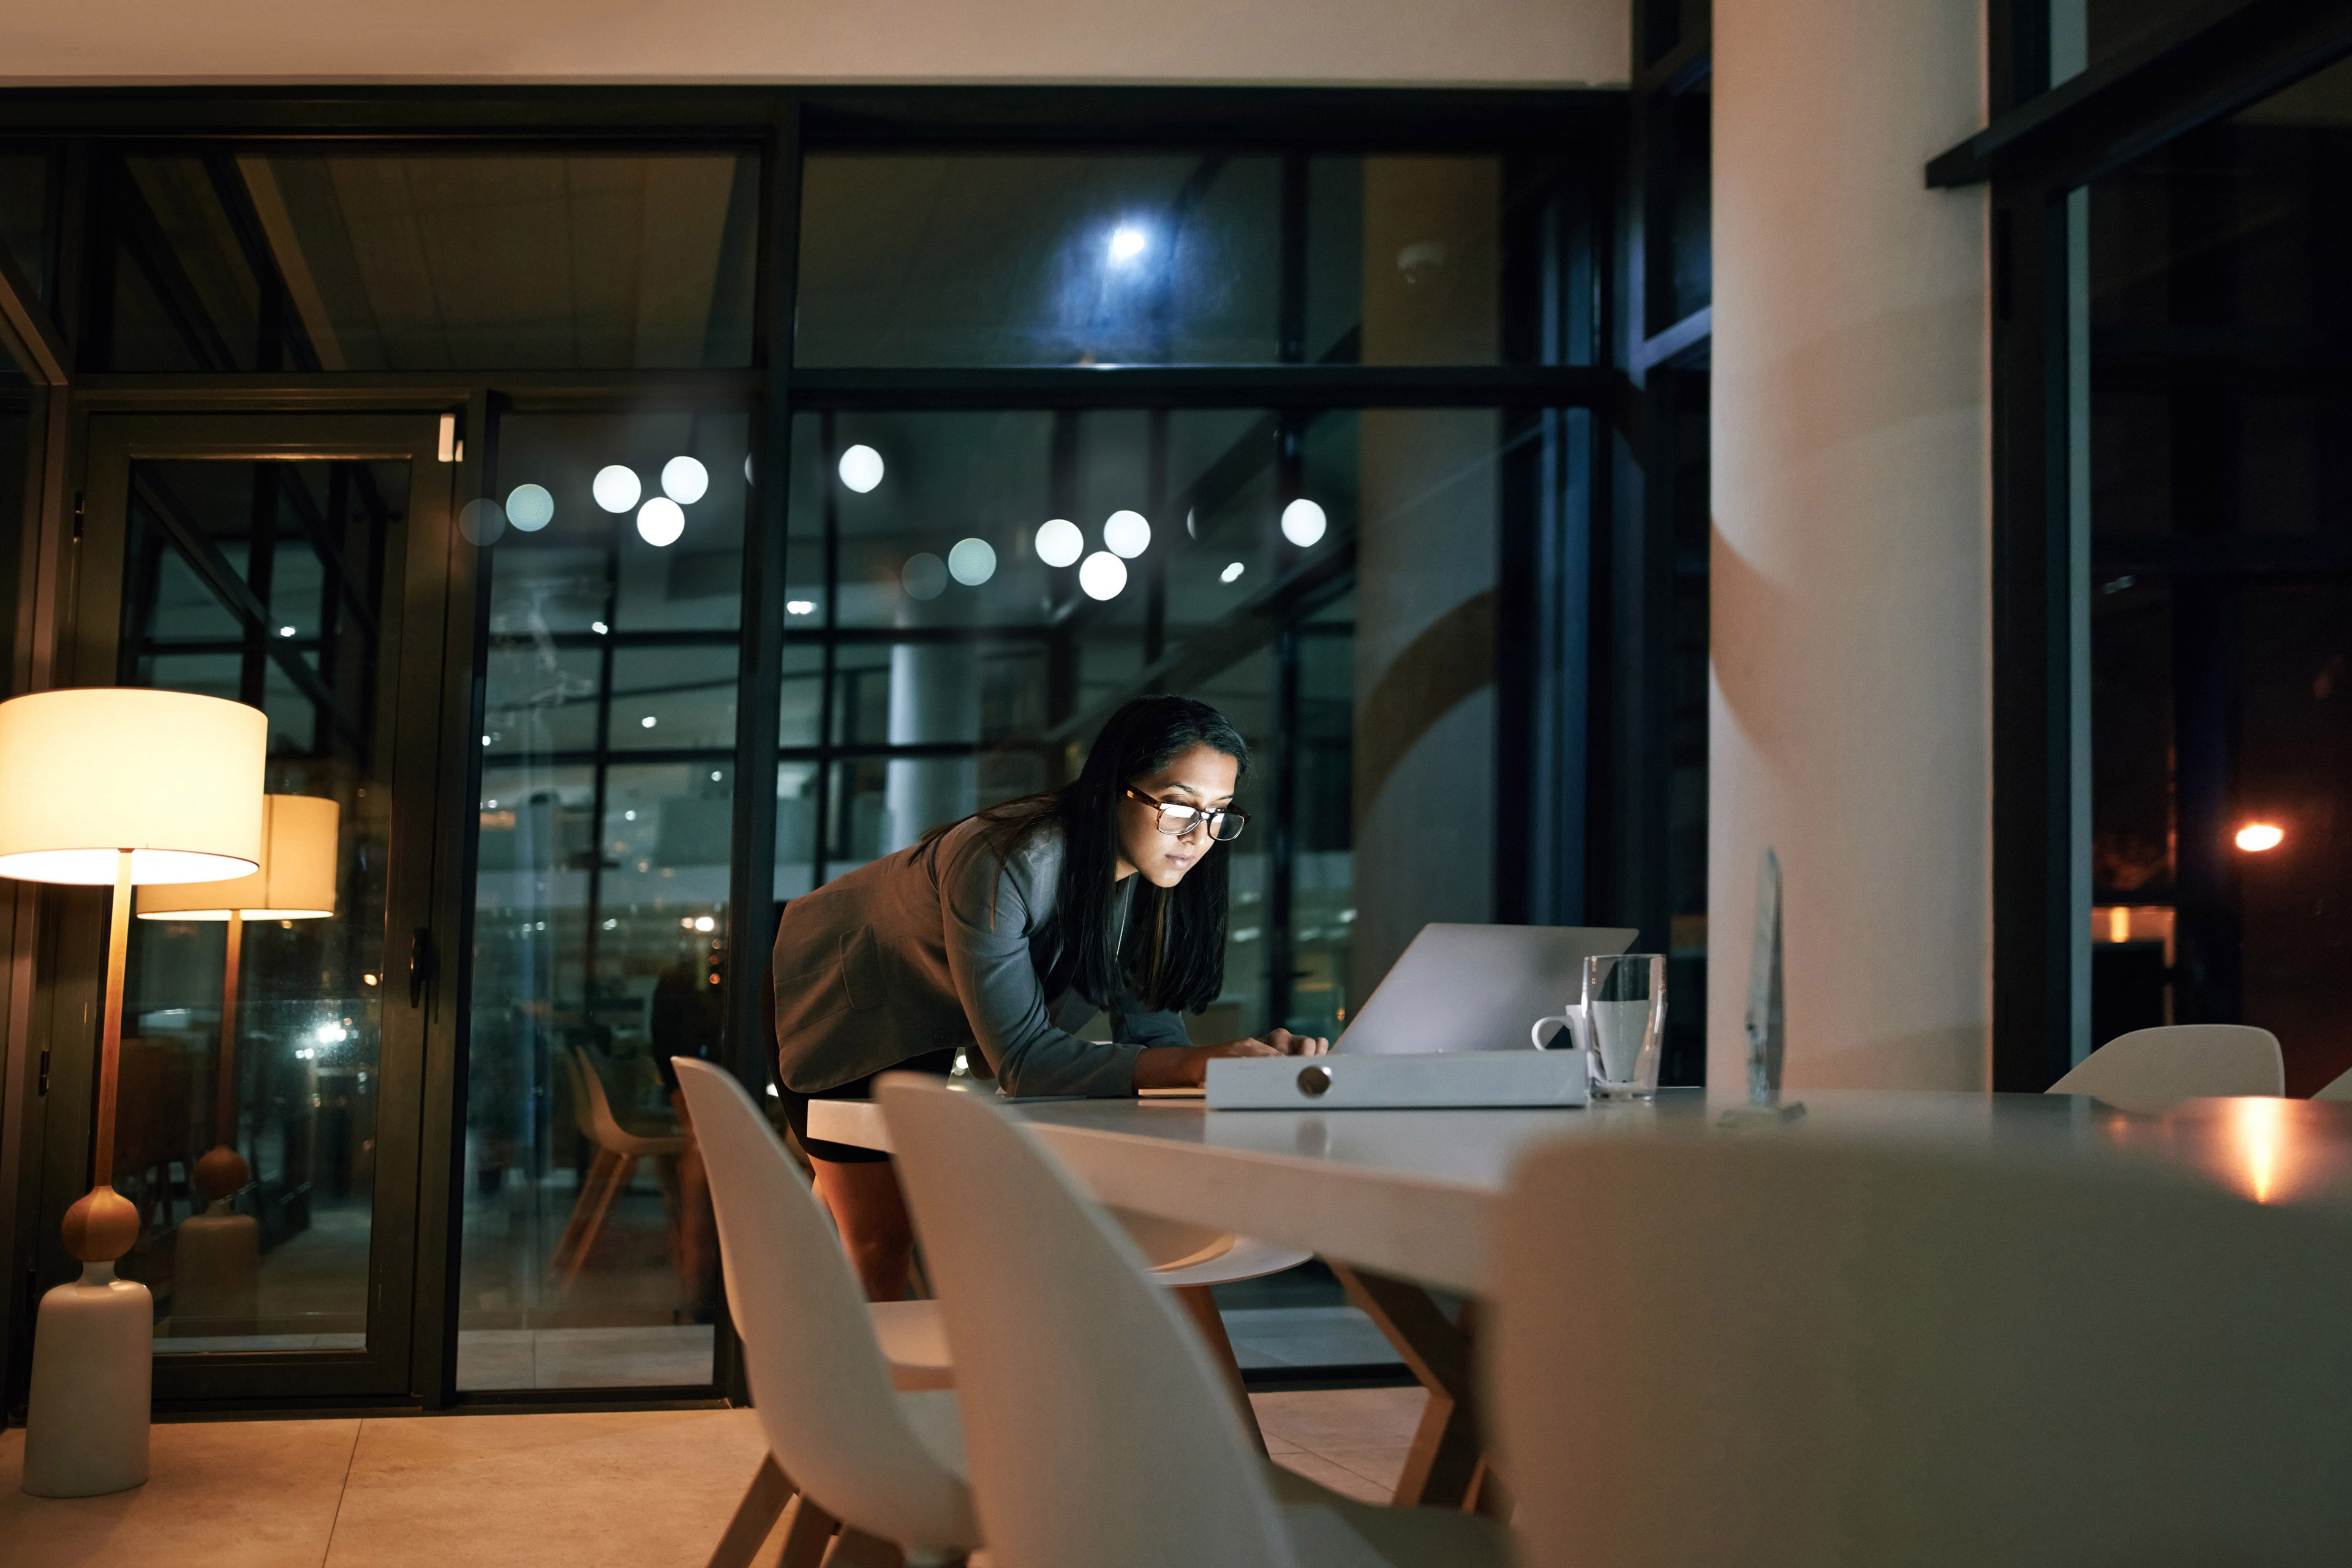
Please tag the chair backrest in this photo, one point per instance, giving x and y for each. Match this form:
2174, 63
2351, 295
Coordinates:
2338, 1087
584, 1116
818, 1379
1835, 1355
1096, 1427
2180, 1060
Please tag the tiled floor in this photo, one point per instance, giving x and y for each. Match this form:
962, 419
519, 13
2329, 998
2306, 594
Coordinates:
644, 1490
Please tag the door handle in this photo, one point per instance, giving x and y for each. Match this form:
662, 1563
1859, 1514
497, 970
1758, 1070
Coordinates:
424, 964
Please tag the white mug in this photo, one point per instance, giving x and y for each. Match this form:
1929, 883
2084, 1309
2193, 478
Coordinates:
1572, 1021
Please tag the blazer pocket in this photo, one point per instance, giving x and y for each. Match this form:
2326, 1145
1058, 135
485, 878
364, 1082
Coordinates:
849, 979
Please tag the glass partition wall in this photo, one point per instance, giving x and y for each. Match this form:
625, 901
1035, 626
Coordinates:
754, 509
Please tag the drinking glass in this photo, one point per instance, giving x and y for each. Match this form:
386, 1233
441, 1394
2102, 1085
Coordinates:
1625, 1011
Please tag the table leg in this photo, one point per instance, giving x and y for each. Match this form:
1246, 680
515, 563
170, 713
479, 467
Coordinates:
1447, 1463
1202, 1303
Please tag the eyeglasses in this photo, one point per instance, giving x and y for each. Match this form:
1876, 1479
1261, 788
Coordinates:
1224, 826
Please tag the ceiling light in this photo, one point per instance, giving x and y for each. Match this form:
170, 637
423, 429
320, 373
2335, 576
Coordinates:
1127, 242
599, 627
647, 722
800, 606
615, 488
1230, 573
1103, 575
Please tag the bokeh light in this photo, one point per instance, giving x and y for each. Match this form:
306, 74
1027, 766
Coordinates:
972, 562
925, 576
530, 508
1103, 575
2258, 837
1303, 522
684, 481
1059, 542
659, 521
1127, 534
617, 488
861, 468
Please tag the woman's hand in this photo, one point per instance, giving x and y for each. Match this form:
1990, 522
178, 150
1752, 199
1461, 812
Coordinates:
1187, 1067
1287, 1044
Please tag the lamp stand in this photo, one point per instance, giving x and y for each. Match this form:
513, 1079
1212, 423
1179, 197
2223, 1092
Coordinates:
94, 1346
216, 1257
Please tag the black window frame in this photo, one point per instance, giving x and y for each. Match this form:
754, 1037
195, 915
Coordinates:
1541, 806
2041, 143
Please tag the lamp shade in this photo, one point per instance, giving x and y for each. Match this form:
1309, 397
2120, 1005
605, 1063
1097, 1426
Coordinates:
172, 777
296, 879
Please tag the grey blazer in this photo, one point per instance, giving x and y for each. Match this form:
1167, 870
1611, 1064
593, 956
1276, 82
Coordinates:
930, 948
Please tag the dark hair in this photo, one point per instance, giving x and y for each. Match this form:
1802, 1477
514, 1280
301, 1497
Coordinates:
1174, 957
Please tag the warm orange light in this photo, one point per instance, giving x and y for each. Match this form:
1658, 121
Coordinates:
2258, 1121
2119, 923
2261, 836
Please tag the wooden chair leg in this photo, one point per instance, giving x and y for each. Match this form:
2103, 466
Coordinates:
808, 1533
1202, 1302
625, 1171
756, 1515
599, 1164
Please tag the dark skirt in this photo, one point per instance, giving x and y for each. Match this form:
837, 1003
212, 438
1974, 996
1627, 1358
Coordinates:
796, 1104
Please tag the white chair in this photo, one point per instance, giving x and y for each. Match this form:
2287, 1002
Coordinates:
611, 1167
2180, 1060
1095, 1425
883, 1460
1190, 1260
1764, 1350
2339, 1087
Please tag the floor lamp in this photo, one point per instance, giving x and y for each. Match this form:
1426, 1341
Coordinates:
120, 785
217, 1255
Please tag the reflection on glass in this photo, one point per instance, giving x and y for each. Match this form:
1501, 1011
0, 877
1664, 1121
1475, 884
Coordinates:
27, 184
320, 259
601, 916
1118, 258
2220, 617
222, 558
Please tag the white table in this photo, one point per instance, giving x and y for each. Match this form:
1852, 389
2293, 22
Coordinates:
1399, 1200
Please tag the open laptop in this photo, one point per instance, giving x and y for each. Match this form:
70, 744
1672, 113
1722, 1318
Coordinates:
1475, 987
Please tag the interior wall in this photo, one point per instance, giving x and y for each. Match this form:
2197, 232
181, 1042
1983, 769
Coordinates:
1427, 551
1850, 708
1481, 42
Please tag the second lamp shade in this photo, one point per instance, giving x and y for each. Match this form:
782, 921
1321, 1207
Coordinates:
296, 879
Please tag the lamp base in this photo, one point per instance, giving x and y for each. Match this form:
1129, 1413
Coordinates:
93, 1368
217, 1269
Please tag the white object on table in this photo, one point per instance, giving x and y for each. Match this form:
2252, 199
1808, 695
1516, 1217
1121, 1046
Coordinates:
1452, 1078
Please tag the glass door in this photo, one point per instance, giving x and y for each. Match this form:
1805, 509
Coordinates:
300, 565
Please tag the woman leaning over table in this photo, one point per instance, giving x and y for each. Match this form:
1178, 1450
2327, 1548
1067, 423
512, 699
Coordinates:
1005, 932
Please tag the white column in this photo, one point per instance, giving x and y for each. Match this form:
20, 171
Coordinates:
1850, 699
